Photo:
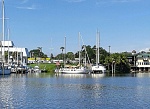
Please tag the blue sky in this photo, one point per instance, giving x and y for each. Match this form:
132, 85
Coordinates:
123, 24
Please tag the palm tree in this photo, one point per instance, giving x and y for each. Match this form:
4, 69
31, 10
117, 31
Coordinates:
123, 61
118, 60
40, 48
62, 49
107, 62
113, 59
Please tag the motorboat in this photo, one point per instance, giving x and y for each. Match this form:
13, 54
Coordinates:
36, 69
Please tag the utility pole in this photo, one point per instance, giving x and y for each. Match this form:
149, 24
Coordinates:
109, 49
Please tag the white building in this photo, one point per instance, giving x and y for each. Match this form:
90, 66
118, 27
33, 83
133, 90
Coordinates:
143, 62
16, 54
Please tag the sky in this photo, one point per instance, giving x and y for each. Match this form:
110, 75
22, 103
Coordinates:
123, 24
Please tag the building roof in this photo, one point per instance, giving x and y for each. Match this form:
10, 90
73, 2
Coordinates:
143, 55
7, 43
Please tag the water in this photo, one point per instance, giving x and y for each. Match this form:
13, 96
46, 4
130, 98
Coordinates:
44, 91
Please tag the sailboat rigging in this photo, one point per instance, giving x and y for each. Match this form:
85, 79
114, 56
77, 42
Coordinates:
98, 68
68, 69
4, 70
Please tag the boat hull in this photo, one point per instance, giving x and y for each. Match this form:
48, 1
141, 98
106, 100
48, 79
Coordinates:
5, 72
74, 71
98, 69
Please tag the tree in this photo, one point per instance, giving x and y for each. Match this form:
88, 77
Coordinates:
103, 54
62, 49
90, 52
70, 56
38, 53
51, 56
119, 60
59, 56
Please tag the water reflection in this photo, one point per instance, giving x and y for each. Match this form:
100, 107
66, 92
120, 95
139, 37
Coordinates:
66, 91
81, 75
5, 90
141, 74
73, 75
98, 75
9, 92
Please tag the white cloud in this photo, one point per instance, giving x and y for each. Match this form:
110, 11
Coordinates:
24, 4
145, 49
33, 7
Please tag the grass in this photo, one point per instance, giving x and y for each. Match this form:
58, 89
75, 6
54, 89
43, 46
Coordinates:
48, 66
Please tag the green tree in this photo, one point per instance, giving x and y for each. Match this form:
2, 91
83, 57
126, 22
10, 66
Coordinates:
62, 49
58, 57
90, 52
119, 60
103, 54
38, 53
70, 56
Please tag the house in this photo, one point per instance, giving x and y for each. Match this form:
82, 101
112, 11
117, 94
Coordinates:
16, 54
143, 62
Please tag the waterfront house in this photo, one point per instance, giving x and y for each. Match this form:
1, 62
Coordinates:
139, 62
16, 54
143, 61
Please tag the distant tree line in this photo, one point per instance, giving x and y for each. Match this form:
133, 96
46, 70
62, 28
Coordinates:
119, 60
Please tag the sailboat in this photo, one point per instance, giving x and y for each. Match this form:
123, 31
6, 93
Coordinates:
4, 68
98, 68
68, 69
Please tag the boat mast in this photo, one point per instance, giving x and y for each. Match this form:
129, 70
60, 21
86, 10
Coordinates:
3, 57
98, 47
8, 44
84, 46
85, 54
79, 50
65, 53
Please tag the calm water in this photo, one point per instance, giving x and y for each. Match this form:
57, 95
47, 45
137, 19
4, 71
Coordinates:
32, 91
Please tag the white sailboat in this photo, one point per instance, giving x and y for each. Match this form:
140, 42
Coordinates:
4, 68
74, 69
98, 68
